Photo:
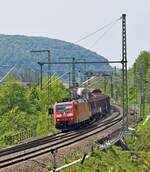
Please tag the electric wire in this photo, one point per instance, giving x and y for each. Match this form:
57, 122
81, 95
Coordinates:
46, 82
1, 80
101, 36
57, 79
98, 30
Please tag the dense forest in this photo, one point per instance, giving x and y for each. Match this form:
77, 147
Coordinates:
16, 50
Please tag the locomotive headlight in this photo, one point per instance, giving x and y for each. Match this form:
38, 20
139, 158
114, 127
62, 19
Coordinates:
69, 114
59, 115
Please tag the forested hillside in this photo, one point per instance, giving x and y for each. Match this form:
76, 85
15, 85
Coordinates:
16, 50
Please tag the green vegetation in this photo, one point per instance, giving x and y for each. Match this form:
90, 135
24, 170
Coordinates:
140, 72
142, 64
25, 108
114, 159
15, 49
137, 159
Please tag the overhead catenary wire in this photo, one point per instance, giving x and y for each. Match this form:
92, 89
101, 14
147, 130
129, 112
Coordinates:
57, 79
8, 73
54, 82
49, 79
85, 82
98, 30
94, 82
93, 33
101, 36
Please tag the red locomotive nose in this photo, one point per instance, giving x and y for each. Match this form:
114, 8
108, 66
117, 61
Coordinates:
64, 112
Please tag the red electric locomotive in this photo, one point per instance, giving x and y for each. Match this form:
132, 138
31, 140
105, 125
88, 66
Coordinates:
71, 113
80, 111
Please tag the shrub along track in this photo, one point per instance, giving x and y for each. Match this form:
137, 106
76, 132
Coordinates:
26, 151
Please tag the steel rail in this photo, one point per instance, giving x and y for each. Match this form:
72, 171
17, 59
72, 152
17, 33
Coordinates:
52, 148
44, 140
64, 137
56, 146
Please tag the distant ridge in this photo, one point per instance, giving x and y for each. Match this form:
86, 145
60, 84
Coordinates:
15, 49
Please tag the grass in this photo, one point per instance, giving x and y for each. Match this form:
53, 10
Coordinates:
114, 159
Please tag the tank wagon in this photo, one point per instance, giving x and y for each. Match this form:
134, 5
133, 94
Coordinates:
74, 113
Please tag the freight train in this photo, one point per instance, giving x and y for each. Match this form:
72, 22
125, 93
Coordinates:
87, 106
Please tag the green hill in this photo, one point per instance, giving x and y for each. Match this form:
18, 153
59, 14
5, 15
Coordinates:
15, 49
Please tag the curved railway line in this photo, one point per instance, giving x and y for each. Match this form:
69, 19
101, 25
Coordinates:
32, 149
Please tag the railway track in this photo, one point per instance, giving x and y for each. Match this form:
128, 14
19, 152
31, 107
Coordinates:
47, 139
45, 145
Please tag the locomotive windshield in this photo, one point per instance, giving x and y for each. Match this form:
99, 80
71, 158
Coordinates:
61, 108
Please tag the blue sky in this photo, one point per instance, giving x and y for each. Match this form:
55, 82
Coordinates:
70, 20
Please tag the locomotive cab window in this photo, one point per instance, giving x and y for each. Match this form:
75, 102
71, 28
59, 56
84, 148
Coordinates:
61, 108
68, 107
